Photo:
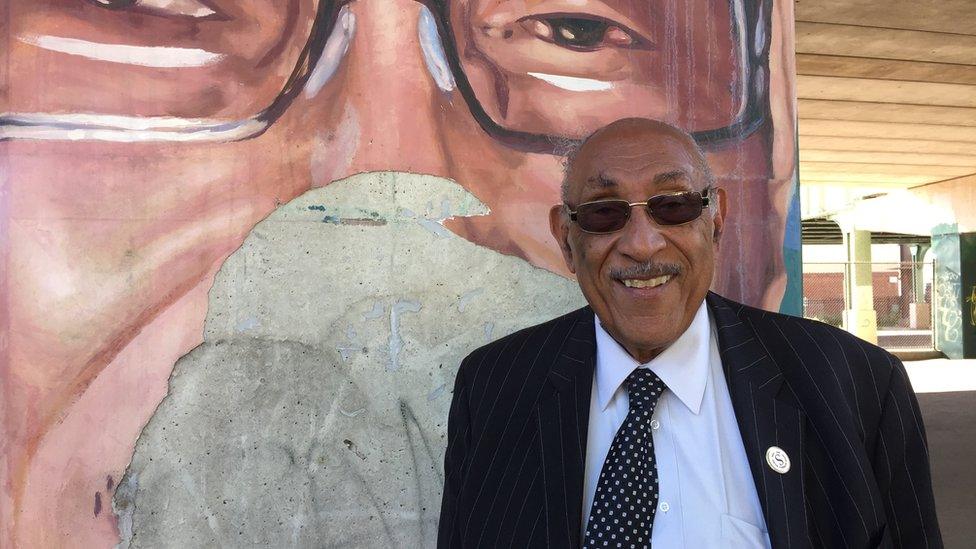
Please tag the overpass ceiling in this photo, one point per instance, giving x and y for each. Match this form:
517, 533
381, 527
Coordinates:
886, 95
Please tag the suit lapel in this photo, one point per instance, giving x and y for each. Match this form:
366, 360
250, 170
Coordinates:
563, 416
768, 416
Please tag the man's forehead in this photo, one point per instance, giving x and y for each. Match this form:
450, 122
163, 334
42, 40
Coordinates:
638, 165
610, 178
635, 151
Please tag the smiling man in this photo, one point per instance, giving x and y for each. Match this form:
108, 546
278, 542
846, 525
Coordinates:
666, 415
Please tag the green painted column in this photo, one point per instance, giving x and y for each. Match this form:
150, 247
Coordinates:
860, 318
955, 292
967, 255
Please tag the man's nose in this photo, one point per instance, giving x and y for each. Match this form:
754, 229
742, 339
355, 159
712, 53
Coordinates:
641, 238
389, 102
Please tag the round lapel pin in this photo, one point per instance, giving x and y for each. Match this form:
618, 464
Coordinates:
777, 460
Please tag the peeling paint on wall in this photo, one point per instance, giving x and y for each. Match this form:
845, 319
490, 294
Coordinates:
324, 423
396, 341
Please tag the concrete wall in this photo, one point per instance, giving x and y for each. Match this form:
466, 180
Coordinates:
314, 411
247, 244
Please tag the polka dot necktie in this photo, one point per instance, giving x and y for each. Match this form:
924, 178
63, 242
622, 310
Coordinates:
626, 494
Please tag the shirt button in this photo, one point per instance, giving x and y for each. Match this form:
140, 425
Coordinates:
665, 507
655, 424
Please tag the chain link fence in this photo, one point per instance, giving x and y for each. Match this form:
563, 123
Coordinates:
902, 294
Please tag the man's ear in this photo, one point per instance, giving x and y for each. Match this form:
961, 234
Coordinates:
718, 218
559, 226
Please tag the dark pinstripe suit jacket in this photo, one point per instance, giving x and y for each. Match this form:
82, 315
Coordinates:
842, 409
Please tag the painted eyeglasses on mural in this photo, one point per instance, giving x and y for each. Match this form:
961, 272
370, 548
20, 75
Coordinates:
534, 73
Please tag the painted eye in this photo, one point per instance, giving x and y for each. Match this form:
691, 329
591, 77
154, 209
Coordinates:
187, 8
195, 63
582, 33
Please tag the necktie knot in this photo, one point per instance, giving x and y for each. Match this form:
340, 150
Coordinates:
644, 388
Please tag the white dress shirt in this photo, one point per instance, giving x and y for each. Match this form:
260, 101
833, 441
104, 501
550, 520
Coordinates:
707, 494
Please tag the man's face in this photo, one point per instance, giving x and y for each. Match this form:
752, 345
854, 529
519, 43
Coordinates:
646, 281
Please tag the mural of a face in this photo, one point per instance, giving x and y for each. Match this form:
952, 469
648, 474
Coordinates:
143, 139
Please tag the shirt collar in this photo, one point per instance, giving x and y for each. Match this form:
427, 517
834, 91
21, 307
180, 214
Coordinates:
683, 366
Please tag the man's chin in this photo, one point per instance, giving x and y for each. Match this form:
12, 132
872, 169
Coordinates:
649, 314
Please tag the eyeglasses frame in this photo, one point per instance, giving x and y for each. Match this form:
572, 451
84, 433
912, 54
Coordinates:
703, 194
752, 116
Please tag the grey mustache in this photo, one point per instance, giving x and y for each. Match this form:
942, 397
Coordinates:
646, 270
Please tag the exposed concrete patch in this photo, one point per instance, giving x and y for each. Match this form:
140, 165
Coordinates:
467, 296
314, 413
396, 341
124, 505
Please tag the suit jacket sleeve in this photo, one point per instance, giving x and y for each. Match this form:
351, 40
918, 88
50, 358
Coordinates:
455, 461
901, 462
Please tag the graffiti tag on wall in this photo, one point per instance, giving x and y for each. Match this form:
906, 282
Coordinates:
949, 314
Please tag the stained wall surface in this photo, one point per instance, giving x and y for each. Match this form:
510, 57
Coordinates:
246, 243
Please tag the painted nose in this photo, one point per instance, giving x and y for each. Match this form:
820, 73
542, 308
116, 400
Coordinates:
641, 238
388, 107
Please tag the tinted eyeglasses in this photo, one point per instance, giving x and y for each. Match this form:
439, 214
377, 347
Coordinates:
607, 216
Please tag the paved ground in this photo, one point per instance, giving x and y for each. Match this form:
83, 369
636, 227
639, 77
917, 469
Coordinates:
947, 395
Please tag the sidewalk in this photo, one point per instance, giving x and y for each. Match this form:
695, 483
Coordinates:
947, 398
942, 375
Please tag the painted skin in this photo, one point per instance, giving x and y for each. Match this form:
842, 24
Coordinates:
94, 329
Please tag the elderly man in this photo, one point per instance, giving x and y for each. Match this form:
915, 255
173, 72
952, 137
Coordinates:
666, 415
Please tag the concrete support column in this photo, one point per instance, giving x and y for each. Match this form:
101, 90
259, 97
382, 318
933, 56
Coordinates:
920, 310
919, 277
860, 318
906, 281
